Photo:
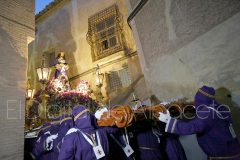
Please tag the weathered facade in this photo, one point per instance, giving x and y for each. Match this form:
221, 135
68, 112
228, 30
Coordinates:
90, 33
183, 44
16, 31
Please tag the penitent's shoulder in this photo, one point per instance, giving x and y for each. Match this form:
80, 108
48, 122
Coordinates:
71, 131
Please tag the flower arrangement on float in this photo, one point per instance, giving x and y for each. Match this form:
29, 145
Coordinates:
61, 96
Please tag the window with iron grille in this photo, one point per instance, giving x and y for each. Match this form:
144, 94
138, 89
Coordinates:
104, 33
119, 79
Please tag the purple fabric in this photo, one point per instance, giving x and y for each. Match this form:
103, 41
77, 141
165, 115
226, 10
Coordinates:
45, 127
38, 147
58, 72
75, 145
39, 150
202, 102
201, 99
148, 146
213, 134
173, 148
116, 148
148, 140
65, 125
55, 125
86, 122
169, 147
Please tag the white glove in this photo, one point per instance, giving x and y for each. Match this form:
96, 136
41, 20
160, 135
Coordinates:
100, 112
164, 103
164, 117
49, 141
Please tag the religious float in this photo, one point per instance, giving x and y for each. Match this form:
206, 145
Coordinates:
57, 97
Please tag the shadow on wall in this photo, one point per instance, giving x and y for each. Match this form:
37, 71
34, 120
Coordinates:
13, 65
223, 96
125, 95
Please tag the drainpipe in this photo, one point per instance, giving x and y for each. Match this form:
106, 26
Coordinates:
135, 11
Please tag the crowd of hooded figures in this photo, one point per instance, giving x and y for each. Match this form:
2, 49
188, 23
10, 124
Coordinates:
78, 137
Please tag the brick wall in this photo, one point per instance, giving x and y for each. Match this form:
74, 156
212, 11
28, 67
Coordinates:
16, 28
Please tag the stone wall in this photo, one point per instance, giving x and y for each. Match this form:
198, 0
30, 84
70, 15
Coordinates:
16, 31
184, 44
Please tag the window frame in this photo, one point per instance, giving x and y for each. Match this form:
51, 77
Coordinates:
124, 82
94, 35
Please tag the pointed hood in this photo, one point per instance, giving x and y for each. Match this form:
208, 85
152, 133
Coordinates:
84, 120
205, 96
66, 119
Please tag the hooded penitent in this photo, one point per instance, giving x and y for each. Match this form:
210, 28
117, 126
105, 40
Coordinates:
75, 146
205, 96
212, 126
205, 101
39, 151
65, 123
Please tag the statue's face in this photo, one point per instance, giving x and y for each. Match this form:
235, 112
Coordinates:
62, 54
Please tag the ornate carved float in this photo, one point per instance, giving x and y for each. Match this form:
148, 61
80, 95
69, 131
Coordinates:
124, 116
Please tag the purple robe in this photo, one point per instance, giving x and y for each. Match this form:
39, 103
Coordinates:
173, 148
149, 141
55, 125
144, 138
75, 146
39, 151
65, 124
211, 125
117, 142
115, 151
58, 72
